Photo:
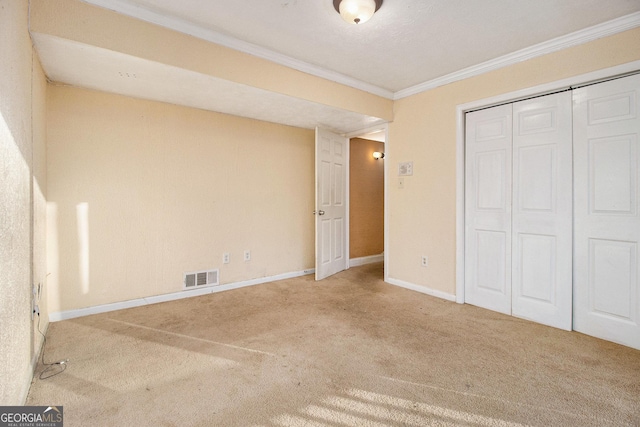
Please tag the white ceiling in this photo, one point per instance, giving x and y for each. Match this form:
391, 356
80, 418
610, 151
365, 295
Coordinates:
407, 44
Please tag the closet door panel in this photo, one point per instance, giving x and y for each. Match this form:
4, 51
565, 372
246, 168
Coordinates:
488, 208
607, 221
542, 210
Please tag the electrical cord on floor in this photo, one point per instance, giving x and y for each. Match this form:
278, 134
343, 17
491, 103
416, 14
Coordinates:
51, 369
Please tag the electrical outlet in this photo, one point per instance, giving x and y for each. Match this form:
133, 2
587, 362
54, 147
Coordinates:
247, 255
226, 258
425, 261
33, 301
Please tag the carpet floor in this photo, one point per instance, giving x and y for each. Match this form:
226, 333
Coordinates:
347, 351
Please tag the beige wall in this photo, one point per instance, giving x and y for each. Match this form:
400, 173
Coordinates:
84, 23
422, 216
366, 200
21, 143
141, 192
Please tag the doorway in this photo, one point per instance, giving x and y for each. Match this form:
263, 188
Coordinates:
366, 198
333, 199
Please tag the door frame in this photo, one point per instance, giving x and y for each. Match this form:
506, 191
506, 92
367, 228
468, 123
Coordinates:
355, 134
462, 109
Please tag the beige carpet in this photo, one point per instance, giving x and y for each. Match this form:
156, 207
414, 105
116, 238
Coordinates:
347, 351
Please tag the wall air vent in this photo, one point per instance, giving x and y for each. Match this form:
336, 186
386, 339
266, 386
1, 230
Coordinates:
199, 279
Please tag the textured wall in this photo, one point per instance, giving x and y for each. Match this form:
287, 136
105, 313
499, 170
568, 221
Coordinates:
39, 199
140, 192
422, 215
18, 343
366, 200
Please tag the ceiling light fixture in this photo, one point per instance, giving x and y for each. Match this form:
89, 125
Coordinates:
357, 11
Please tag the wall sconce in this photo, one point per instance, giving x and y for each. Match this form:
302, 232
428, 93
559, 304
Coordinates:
378, 155
357, 11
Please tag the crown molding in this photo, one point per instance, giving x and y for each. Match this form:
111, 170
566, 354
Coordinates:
605, 29
125, 8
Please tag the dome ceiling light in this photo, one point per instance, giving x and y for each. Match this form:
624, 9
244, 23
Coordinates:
357, 11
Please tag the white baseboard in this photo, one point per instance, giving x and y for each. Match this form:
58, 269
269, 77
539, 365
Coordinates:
354, 262
72, 314
421, 289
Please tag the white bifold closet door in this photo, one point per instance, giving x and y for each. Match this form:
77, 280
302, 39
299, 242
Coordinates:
488, 208
607, 221
542, 249
518, 209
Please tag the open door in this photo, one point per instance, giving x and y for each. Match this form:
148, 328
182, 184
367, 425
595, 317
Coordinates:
331, 203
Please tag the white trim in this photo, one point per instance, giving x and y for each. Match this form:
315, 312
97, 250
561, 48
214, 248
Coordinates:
460, 207
605, 29
354, 262
375, 128
386, 203
501, 99
421, 289
186, 27
316, 252
81, 312
347, 192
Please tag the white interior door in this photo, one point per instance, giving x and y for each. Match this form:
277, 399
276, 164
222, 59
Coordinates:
607, 222
542, 217
488, 208
331, 203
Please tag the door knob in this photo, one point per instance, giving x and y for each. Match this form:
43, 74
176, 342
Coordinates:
320, 212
